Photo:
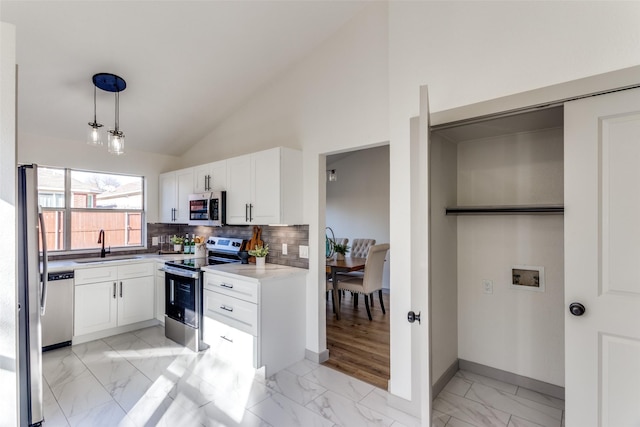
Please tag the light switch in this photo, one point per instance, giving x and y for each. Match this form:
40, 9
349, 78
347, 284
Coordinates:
154, 241
487, 285
284, 249
304, 251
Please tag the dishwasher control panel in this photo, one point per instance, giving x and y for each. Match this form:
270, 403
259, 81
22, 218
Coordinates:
66, 275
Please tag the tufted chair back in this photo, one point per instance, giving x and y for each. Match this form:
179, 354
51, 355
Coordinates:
360, 247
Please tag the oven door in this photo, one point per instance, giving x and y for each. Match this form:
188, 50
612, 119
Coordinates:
183, 301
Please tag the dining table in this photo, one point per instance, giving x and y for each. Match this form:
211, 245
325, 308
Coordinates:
335, 266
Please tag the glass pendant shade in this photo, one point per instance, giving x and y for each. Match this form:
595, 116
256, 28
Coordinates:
93, 137
115, 142
332, 176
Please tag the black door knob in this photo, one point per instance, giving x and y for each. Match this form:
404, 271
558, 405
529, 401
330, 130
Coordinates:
577, 309
412, 317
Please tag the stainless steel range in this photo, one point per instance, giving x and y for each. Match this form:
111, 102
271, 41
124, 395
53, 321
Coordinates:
183, 290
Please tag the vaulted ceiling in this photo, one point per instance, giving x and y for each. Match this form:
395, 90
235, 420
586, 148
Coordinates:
187, 64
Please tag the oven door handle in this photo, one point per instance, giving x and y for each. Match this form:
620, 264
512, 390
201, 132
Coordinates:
172, 292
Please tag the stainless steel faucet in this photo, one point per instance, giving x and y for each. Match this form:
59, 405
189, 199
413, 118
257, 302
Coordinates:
101, 239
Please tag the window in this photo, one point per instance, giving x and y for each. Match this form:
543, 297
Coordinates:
78, 204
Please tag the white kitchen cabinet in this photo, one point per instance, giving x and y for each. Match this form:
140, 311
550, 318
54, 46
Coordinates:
175, 188
95, 307
257, 320
210, 177
160, 292
113, 296
265, 187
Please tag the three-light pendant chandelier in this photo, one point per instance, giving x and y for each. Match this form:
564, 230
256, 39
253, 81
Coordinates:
115, 137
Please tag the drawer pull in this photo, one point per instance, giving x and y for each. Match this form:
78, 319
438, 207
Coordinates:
224, 307
225, 338
226, 285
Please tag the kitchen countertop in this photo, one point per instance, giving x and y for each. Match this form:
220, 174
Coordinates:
114, 259
246, 271
250, 271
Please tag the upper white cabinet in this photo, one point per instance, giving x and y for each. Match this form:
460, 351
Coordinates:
175, 188
210, 177
265, 187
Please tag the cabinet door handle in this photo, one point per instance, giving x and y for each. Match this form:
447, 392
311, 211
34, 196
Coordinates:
226, 285
120, 289
224, 307
114, 290
225, 338
250, 212
246, 212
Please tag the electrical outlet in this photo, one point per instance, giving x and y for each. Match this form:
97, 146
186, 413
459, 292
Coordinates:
487, 285
304, 251
154, 241
284, 249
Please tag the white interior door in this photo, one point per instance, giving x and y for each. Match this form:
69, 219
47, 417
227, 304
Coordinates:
602, 256
420, 255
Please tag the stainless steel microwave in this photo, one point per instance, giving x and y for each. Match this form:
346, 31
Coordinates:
208, 208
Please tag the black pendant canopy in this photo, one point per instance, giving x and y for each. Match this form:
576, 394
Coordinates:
109, 82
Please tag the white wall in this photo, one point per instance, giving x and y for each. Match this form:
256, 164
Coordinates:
515, 330
77, 154
444, 265
357, 204
8, 287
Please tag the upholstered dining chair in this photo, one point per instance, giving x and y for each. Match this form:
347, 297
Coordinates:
360, 247
371, 281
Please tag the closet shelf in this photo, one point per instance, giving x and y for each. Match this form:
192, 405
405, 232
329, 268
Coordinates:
506, 210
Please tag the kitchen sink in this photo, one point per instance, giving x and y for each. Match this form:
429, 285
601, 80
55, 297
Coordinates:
107, 259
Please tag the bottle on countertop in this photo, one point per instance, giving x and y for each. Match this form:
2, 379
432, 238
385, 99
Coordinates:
186, 244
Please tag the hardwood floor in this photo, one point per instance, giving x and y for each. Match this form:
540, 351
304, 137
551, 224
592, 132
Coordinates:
359, 347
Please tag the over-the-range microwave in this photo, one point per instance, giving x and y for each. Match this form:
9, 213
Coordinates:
208, 208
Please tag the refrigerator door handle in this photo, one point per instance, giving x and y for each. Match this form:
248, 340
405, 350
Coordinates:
45, 265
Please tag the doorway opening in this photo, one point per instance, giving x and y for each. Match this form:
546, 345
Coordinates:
357, 207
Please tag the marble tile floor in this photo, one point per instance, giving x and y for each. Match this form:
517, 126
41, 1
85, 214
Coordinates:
474, 400
143, 379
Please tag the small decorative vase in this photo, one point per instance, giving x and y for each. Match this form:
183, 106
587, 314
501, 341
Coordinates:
177, 248
340, 257
260, 262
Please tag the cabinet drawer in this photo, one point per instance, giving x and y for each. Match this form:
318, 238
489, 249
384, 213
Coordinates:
244, 290
230, 344
135, 270
95, 274
231, 311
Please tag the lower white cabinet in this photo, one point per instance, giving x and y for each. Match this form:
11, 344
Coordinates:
127, 297
258, 321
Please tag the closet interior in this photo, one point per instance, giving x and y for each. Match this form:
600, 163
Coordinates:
496, 205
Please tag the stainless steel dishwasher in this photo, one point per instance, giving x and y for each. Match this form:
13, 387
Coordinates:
57, 321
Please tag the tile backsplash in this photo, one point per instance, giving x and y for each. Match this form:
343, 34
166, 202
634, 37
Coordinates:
274, 236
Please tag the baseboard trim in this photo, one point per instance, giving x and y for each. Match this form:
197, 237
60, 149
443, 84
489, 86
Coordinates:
511, 378
444, 379
321, 357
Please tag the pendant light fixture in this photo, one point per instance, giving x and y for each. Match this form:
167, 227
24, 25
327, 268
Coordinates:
94, 135
116, 84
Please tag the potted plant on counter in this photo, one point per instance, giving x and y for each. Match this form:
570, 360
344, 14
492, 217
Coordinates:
260, 252
340, 250
177, 243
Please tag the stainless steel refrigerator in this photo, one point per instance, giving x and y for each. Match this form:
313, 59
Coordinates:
32, 294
